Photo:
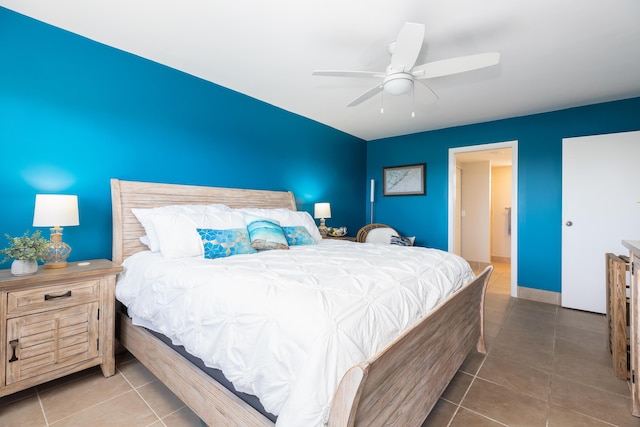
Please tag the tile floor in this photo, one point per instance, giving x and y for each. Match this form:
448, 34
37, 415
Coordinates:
546, 366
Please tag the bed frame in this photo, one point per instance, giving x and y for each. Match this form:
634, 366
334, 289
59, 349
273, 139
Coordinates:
398, 386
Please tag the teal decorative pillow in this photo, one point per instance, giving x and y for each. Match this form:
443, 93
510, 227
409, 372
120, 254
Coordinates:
265, 233
224, 243
298, 235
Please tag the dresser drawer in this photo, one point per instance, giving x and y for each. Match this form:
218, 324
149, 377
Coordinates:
52, 297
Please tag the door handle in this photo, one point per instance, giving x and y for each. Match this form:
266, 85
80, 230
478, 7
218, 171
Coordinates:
13, 344
568, 223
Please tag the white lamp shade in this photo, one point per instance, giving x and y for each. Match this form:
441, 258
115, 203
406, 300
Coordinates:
55, 210
322, 210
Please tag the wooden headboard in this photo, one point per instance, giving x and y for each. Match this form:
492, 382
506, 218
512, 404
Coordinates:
126, 195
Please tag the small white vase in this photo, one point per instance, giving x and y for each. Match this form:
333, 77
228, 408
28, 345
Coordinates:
24, 267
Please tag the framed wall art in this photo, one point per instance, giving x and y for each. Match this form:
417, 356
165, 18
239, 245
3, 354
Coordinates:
407, 180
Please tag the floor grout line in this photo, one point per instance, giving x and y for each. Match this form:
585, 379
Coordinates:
135, 389
44, 414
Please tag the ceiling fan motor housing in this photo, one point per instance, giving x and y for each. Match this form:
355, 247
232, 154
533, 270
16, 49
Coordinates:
398, 83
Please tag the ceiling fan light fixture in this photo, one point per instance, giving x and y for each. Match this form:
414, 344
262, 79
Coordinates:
398, 84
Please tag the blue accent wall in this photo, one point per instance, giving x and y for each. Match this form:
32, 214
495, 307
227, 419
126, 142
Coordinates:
539, 179
75, 113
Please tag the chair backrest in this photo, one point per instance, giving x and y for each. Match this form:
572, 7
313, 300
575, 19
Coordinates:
375, 233
381, 235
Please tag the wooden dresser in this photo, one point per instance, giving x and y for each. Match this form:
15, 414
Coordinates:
634, 345
56, 322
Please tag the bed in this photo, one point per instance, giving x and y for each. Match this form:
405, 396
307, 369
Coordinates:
399, 384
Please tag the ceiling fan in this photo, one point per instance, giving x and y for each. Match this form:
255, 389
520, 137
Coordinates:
402, 72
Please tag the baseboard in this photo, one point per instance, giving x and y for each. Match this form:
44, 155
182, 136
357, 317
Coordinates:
501, 259
539, 295
531, 294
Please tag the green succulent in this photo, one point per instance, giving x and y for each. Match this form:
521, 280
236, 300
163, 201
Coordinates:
25, 247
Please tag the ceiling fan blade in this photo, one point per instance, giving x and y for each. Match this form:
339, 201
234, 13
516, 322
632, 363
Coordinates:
368, 94
407, 48
457, 65
337, 73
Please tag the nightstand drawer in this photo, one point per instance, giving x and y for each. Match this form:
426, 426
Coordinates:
46, 298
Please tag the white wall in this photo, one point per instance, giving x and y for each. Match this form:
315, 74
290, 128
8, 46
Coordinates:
476, 211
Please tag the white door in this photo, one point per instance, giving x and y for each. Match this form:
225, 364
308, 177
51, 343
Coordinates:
600, 194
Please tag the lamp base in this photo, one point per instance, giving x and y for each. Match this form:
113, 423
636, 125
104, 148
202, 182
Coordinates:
58, 251
55, 264
322, 228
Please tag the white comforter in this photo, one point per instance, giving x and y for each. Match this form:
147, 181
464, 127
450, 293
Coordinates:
286, 325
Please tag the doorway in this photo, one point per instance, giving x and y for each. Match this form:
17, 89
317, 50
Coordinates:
479, 160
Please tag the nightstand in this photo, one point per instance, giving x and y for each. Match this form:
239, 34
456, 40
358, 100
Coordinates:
351, 239
56, 322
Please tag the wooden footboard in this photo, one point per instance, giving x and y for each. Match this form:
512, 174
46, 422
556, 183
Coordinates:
402, 383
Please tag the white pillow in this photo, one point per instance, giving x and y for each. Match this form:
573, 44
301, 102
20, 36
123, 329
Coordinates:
287, 218
152, 236
145, 240
178, 235
380, 235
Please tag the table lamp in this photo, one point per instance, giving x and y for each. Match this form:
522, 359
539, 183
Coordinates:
322, 211
56, 211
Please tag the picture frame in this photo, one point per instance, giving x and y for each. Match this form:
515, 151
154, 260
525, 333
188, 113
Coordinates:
406, 180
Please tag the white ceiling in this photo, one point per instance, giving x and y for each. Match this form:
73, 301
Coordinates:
554, 53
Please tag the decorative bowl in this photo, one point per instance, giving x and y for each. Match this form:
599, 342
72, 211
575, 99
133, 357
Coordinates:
337, 232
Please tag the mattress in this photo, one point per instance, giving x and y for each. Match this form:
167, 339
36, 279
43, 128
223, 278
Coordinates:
285, 325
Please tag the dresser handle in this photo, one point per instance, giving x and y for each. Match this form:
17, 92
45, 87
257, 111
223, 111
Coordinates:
48, 297
14, 344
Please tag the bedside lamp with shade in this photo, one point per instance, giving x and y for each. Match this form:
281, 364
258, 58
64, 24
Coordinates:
56, 211
322, 211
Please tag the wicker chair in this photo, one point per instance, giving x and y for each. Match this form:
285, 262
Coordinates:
364, 231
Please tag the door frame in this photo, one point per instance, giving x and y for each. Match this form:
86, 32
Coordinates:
513, 145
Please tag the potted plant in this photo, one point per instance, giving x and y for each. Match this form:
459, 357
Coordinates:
25, 251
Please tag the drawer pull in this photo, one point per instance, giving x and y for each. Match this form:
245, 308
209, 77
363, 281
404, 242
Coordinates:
14, 344
48, 297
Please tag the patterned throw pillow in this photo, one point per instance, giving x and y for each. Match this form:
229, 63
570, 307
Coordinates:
401, 241
298, 235
265, 233
224, 243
